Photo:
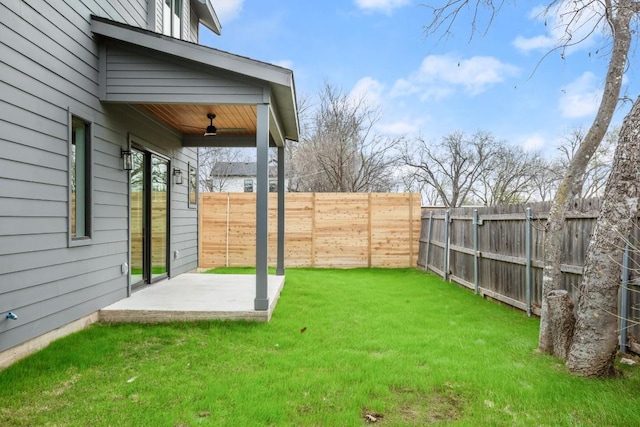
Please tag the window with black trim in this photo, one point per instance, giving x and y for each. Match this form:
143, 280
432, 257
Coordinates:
248, 185
193, 186
80, 180
273, 186
172, 18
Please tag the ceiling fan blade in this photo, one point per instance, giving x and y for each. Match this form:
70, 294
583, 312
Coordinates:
219, 129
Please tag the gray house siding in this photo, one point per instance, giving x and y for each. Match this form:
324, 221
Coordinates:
48, 68
184, 219
132, 75
194, 24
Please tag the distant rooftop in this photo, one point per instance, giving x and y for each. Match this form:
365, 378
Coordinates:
239, 169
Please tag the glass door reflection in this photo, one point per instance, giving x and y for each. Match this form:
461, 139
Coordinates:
159, 181
138, 215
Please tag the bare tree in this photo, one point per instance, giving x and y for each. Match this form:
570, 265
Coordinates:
597, 170
615, 17
341, 151
410, 182
544, 183
292, 167
594, 341
451, 166
510, 178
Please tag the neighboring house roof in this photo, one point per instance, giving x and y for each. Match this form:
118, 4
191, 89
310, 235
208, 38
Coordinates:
240, 169
278, 80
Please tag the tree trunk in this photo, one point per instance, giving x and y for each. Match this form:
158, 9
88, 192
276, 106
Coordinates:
572, 183
595, 338
561, 321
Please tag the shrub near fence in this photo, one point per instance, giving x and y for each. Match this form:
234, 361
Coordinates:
341, 230
498, 252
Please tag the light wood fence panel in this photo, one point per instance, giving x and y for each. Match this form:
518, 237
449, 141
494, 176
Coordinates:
213, 244
393, 230
340, 230
299, 247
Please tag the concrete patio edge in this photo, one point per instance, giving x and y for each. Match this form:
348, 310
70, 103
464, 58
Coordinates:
193, 297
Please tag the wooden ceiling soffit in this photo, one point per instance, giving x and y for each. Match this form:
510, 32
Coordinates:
191, 119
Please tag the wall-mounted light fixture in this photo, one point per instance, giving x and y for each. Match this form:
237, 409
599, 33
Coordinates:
211, 129
127, 159
177, 176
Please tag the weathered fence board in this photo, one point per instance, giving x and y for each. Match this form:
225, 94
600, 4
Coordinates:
500, 265
340, 230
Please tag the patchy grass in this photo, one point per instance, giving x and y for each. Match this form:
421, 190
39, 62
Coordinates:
344, 348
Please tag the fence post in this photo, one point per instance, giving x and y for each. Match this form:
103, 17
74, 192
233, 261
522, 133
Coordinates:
528, 260
476, 261
314, 214
369, 230
410, 229
624, 300
445, 267
226, 255
426, 261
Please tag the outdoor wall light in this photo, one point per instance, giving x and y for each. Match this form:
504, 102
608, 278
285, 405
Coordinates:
177, 176
127, 159
211, 129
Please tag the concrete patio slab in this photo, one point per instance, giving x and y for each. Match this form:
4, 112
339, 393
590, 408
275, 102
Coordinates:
193, 296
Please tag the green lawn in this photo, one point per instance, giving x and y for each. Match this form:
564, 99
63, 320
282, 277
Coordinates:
399, 345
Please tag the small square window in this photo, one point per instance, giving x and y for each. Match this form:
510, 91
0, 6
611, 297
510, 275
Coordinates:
248, 185
273, 186
80, 180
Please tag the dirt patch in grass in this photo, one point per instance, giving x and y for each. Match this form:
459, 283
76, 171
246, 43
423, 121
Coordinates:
65, 385
441, 404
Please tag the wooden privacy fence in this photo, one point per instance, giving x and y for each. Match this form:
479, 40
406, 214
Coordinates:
341, 230
498, 252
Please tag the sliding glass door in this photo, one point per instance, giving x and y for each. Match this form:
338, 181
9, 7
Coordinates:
149, 190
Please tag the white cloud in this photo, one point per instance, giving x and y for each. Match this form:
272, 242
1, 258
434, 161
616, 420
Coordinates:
534, 43
580, 98
227, 10
533, 142
565, 26
404, 87
403, 127
440, 75
384, 6
369, 90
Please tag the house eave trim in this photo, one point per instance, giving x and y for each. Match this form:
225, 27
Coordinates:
207, 15
193, 52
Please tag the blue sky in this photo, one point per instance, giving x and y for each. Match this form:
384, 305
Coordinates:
429, 86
